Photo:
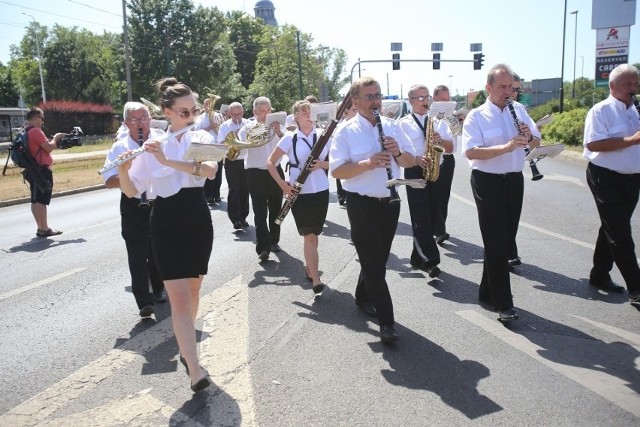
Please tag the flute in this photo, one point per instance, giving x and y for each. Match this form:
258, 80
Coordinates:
395, 198
536, 175
135, 153
143, 197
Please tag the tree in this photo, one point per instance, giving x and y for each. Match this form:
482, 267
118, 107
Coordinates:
479, 99
244, 36
334, 64
24, 65
9, 95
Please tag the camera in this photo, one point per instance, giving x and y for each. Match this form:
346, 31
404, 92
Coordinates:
71, 140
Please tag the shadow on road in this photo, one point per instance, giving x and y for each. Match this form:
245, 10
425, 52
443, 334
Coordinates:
38, 244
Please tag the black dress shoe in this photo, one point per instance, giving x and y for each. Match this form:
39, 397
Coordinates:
146, 311
317, 290
237, 225
160, 297
515, 261
367, 308
341, 200
433, 271
634, 297
441, 238
275, 248
264, 255
507, 315
388, 334
606, 284
244, 223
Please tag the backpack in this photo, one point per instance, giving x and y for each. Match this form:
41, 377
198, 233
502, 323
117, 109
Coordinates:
19, 149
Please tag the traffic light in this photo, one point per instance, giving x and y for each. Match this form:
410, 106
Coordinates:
478, 59
436, 61
396, 61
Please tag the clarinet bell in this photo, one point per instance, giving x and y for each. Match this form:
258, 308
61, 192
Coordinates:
536, 175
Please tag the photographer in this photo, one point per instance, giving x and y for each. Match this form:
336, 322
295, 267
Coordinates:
40, 148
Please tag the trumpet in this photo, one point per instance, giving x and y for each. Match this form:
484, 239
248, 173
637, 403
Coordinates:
135, 153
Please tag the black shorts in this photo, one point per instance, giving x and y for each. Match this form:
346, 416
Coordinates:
40, 184
310, 211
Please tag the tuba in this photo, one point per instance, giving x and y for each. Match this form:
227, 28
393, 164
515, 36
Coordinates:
433, 152
213, 100
257, 136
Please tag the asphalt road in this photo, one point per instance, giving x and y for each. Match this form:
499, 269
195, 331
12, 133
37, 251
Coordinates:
76, 353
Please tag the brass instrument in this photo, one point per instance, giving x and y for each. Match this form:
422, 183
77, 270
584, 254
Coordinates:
213, 100
433, 152
257, 136
154, 110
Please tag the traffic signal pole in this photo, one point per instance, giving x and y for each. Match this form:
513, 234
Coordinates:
402, 60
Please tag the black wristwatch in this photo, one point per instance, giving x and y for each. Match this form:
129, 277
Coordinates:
400, 153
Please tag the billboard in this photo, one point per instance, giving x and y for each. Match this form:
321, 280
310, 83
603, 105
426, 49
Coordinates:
612, 13
612, 48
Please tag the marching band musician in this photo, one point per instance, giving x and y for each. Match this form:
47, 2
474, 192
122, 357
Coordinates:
495, 150
312, 204
266, 194
356, 158
611, 138
135, 214
445, 180
424, 204
236, 175
204, 122
181, 228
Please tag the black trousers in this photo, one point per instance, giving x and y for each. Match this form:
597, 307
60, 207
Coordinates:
373, 225
499, 202
266, 200
423, 208
339, 190
616, 197
212, 186
142, 267
238, 197
443, 189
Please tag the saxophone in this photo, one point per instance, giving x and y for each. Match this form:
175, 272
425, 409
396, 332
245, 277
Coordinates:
433, 152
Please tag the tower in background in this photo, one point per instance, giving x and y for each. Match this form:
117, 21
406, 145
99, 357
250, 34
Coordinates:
265, 10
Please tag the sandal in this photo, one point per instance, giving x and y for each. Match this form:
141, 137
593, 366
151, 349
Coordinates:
47, 233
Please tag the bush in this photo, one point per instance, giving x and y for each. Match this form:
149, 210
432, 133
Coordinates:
566, 128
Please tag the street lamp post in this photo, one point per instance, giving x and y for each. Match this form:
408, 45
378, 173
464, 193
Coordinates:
450, 87
575, 48
564, 31
44, 95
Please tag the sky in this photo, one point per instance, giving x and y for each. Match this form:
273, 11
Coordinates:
525, 34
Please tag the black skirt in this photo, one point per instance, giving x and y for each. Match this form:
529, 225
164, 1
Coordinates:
181, 234
310, 211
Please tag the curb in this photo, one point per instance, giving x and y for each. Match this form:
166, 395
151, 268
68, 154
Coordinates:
13, 202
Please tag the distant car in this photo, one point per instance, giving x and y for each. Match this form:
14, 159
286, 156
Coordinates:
395, 108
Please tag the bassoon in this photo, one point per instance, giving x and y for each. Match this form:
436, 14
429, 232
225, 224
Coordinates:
316, 150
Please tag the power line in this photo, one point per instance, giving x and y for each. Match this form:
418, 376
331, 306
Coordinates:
61, 16
95, 8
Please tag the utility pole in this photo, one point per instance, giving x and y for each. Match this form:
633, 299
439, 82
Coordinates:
44, 95
127, 59
299, 65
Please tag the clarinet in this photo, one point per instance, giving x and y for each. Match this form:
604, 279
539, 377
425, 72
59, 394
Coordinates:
536, 175
635, 102
313, 155
143, 197
395, 198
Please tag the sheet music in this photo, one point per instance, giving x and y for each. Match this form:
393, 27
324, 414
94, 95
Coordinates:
323, 112
545, 120
544, 151
413, 183
442, 109
200, 152
279, 117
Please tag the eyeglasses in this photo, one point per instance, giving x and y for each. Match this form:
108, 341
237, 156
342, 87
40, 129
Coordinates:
40, 117
516, 89
185, 114
422, 98
372, 96
135, 121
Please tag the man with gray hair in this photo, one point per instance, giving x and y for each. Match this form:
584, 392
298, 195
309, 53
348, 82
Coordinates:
135, 212
611, 138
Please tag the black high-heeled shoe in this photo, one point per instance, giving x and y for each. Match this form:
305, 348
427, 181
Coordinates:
202, 383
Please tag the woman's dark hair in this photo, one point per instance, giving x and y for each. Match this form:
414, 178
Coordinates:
170, 89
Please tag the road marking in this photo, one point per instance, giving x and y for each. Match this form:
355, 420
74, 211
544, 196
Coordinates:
38, 409
629, 336
614, 389
533, 227
43, 282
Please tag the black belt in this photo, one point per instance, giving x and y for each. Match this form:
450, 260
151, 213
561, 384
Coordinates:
377, 199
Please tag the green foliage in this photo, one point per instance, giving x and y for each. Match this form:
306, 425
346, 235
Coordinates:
566, 128
479, 99
9, 95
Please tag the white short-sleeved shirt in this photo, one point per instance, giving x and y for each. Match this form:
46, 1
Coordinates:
257, 157
488, 126
147, 174
202, 122
359, 140
228, 126
122, 145
612, 119
416, 134
317, 180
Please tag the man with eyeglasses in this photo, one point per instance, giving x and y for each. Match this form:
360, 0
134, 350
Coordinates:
135, 213
356, 157
238, 196
424, 204
40, 148
496, 151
